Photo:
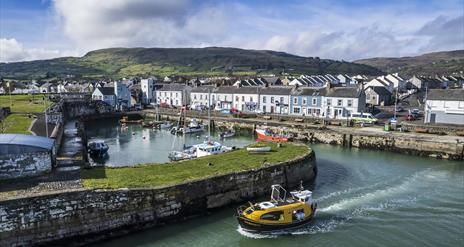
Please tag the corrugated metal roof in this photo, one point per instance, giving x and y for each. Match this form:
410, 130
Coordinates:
27, 140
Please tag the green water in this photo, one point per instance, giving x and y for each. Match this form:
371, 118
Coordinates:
366, 198
136, 145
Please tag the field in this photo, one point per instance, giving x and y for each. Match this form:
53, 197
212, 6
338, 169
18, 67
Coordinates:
17, 123
25, 103
152, 175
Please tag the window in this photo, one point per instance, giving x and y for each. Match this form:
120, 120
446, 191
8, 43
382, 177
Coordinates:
281, 100
236, 98
304, 101
295, 100
225, 97
314, 101
296, 110
212, 97
350, 103
194, 96
329, 102
170, 94
177, 95
278, 215
339, 102
243, 98
264, 99
272, 100
201, 96
165, 94
251, 99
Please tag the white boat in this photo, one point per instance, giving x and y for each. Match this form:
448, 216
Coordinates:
192, 127
166, 125
259, 149
209, 148
182, 155
227, 134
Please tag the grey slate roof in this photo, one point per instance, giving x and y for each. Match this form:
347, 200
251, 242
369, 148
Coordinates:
446, 94
309, 91
106, 90
381, 90
172, 87
27, 140
344, 92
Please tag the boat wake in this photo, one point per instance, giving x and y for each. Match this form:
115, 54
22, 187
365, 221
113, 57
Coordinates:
354, 203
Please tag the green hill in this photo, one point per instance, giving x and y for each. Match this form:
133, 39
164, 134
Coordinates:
440, 63
124, 62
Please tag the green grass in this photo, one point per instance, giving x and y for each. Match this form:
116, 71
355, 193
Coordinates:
17, 123
152, 175
24, 103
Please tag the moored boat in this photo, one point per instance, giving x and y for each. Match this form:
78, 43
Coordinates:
227, 134
125, 120
98, 147
165, 125
268, 135
280, 213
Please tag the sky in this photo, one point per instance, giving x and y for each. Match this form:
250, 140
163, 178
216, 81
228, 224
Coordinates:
336, 29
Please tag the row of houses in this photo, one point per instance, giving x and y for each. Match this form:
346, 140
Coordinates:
328, 102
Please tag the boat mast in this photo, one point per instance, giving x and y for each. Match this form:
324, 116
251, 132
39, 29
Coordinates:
209, 114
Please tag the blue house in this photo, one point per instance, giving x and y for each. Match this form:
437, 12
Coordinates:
307, 101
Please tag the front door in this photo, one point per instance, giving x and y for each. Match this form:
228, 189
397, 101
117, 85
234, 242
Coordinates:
264, 109
433, 117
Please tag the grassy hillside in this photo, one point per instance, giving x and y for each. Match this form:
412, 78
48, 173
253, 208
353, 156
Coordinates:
447, 62
124, 62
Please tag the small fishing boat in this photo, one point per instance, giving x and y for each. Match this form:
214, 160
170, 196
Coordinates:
280, 213
227, 134
165, 125
268, 135
259, 149
192, 127
209, 148
98, 148
186, 154
125, 120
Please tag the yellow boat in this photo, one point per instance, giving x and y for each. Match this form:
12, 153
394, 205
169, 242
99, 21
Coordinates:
279, 213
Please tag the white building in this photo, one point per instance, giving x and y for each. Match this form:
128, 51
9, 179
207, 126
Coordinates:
340, 102
380, 82
398, 82
274, 99
148, 90
444, 106
173, 95
246, 99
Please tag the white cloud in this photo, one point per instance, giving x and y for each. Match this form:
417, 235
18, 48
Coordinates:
12, 51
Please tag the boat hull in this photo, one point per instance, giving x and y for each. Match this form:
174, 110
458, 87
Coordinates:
252, 226
262, 136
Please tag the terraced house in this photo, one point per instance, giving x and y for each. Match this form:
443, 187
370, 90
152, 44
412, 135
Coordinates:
340, 102
173, 95
307, 101
274, 100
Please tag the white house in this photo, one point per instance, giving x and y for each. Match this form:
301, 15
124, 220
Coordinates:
148, 90
444, 106
246, 99
398, 82
200, 96
340, 102
274, 99
105, 94
380, 82
173, 95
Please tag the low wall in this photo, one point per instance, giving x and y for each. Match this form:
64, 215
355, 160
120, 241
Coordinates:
24, 165
79, 217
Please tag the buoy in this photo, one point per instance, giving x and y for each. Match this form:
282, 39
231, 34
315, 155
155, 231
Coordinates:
133, 133
144, 137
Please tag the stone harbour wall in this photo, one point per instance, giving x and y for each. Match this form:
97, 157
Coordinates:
82, 216
24, 165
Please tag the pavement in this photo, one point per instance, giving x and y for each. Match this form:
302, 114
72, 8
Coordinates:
38, 126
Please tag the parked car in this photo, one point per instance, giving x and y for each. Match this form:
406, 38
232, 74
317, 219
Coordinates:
415, 112
393, 120
410, 117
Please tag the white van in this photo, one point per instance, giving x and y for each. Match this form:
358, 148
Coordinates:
363, 117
